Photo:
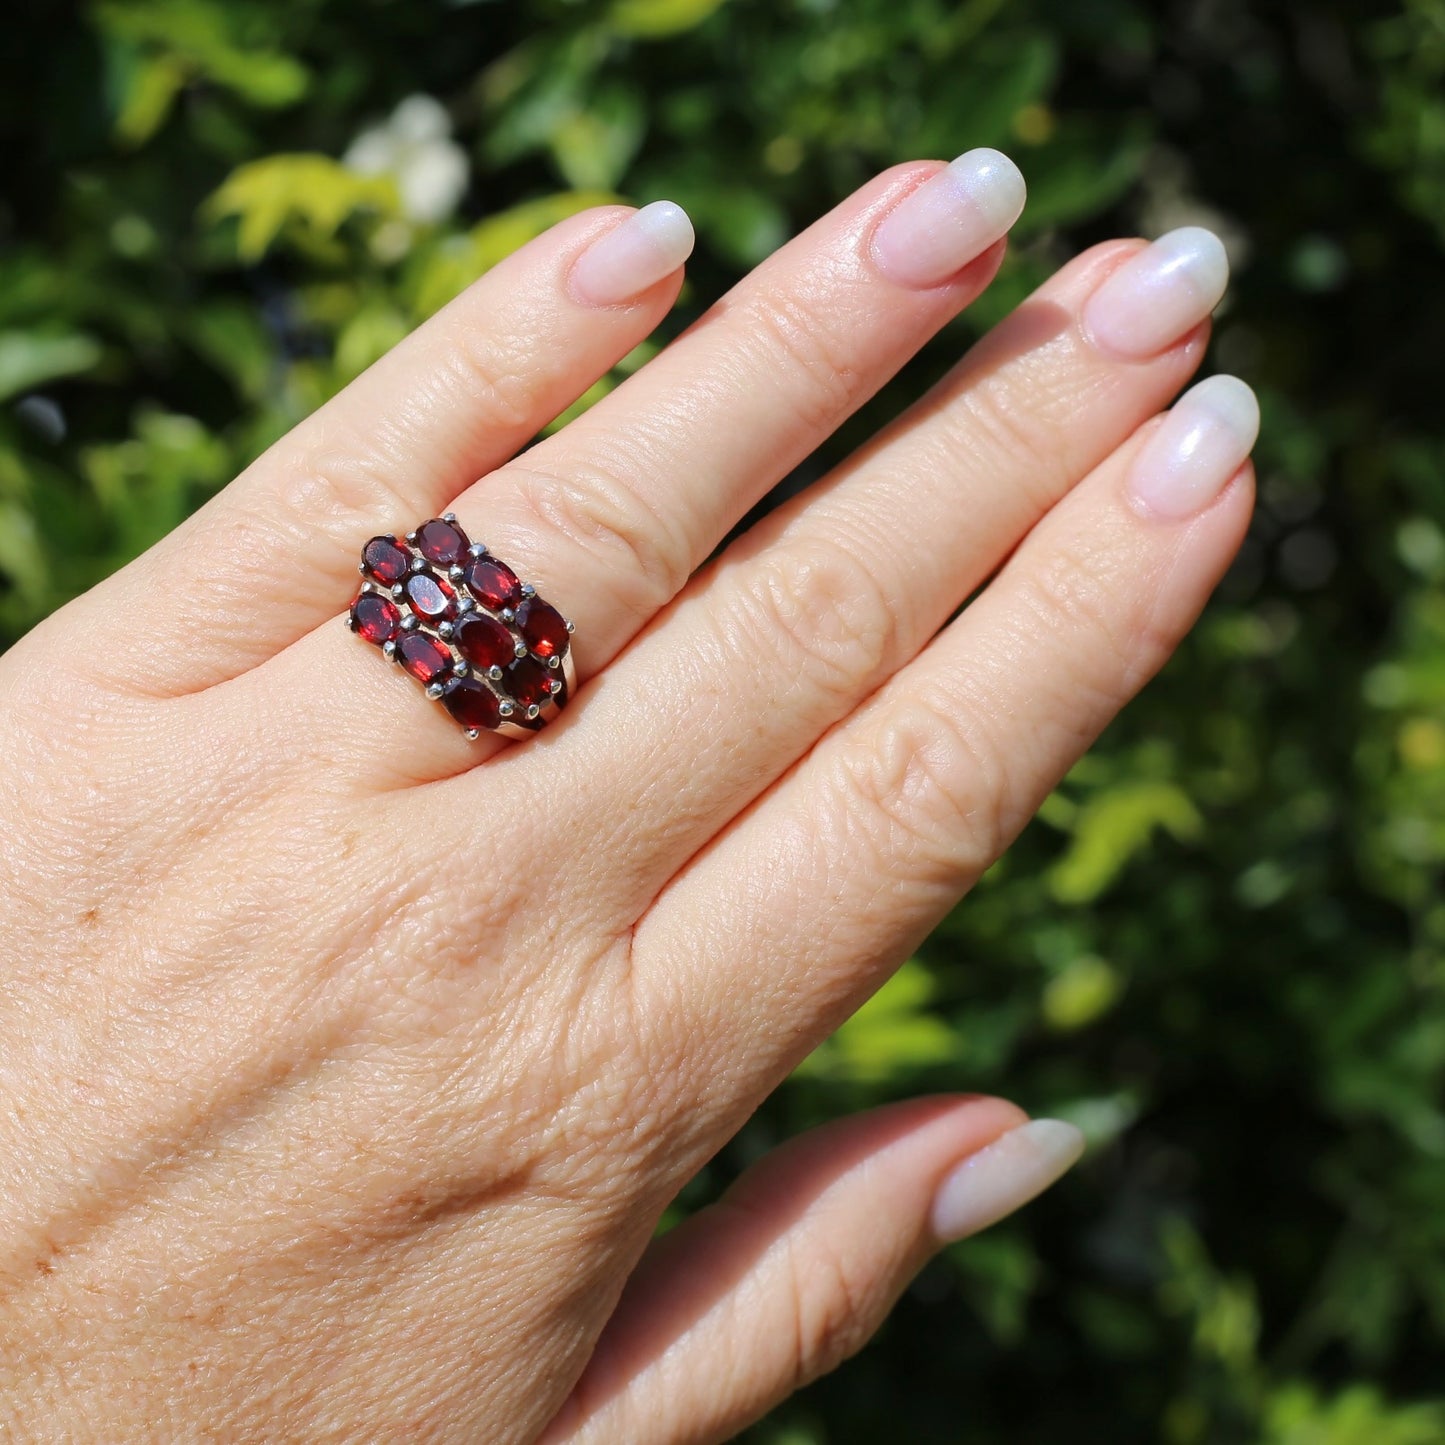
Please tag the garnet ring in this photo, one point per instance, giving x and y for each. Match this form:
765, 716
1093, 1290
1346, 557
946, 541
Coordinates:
482, 643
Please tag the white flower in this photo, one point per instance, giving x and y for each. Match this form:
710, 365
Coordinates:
415, 147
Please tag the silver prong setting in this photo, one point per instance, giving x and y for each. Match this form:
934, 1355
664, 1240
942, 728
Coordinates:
528, 590
554, 662
449, 516
507, 615
520, 649
411, 537
434, 690
456, 573
460, 668
507, 709
477, 549
418, 564
466, 604
571, 626
410, 622
495, 673
533, 711
389, 648
445, 630
398, 592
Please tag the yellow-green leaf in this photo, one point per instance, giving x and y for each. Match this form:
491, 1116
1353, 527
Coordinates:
312, 191
1114, 827
649, 19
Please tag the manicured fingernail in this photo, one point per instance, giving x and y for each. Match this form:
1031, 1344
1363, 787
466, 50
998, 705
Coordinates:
648, 245
950, 219
1015, 1168
1159, 295
1204, 440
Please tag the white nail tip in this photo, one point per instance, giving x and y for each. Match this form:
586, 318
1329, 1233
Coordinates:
666, 224
1160, 294
649, 244
992, 183
950, 220
1004, 1175
1203, 442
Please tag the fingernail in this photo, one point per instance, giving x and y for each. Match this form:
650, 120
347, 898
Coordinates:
648, 245
1015, 1168
1204, 440
1159, 295
950, 219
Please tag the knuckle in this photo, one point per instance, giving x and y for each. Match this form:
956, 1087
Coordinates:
821, 612
823, 382
831, 1314
498, 387
590, 508
1072, 599
1018, 442
346, 487
929, 786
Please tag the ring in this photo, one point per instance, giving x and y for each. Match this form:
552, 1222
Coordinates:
482, 643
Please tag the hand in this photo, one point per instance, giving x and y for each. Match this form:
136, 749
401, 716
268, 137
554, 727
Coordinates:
347, 1064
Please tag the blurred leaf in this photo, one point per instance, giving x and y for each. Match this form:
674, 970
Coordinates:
313, 192
1112, 828
594, 147
1086, 990
892, 1033
652, 19
30, 358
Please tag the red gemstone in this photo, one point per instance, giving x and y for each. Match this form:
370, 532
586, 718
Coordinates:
472, 703
542, 627
385, 560
430, 597
493, 583
375, 618
442, 542
423, 656
485, 641
527, 679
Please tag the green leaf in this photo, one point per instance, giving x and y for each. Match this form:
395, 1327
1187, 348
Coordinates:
653, 19
892, 1033
594, 147
313, 192
1112, 828
1086, 990
30, 358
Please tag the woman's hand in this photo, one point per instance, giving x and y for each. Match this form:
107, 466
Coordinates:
347, 1064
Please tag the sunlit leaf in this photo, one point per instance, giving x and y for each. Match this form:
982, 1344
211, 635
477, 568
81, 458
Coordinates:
652, 19
30, 358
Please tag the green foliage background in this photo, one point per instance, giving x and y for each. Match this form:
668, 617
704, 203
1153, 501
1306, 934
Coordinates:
1221, 949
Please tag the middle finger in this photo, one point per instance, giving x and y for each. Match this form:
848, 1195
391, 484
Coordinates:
609, 516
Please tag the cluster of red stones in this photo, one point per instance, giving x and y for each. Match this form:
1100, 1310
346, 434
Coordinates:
459, 621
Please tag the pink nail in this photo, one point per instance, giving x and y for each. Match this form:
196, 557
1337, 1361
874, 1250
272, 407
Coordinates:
950, 220
1203, 442
625, 261
1154, 298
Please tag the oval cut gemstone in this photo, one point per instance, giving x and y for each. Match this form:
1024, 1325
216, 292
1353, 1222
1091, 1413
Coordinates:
493, 583
423, 656
377, 619
472, 703
485, 642
430, 597
542, 627
526, 679
385, 560
443, 543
